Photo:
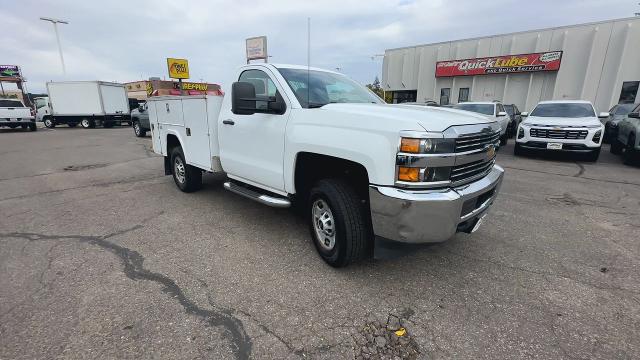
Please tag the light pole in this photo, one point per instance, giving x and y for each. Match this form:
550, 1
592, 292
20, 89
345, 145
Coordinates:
55, 23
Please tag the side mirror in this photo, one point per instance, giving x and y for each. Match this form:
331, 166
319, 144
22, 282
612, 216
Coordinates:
502, 113
603, 115
524, 114
635, 115
243, 98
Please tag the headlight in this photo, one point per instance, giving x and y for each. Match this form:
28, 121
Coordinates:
596, 136
520, 132
427, 146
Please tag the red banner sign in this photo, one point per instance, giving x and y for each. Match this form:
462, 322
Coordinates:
546, 61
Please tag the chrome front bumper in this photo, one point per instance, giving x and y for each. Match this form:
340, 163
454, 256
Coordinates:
431, 216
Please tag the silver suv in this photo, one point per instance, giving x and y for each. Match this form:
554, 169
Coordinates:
140, 120
627, 140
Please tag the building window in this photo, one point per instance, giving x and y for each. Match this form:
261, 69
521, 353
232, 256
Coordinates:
629, 92
404, 96
445, 93
463, 95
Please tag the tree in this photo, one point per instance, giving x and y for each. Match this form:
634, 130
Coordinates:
376, 88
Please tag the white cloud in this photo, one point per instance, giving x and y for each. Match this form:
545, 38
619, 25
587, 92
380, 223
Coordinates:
126, 40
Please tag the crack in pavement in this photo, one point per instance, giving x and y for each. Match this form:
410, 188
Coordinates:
133, 268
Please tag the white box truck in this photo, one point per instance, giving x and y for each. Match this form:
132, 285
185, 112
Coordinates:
86, 103
361, 170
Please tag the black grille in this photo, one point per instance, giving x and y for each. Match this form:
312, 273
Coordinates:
558, 134
471, 170
476, 141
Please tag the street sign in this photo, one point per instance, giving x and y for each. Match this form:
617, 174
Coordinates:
178, 68
257, 48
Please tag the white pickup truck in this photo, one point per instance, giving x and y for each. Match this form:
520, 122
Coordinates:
14, 114
360, 169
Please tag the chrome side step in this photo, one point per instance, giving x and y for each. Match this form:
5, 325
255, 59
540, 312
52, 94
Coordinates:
268, 200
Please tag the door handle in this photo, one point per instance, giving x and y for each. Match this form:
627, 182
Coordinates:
228, 122
167, 104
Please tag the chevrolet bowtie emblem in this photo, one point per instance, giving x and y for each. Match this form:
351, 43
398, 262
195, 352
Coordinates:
491, 151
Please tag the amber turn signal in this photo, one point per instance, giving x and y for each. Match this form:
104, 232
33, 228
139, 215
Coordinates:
409, 145
408, 174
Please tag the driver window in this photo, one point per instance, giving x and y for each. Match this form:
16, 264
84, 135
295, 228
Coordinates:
262, 83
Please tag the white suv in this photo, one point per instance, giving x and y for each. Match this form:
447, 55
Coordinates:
567, 125
494, 110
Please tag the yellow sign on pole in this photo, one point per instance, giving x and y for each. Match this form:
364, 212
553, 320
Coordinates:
178, 68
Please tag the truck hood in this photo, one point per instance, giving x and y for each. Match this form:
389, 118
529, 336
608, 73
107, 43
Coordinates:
406, 117
591, 121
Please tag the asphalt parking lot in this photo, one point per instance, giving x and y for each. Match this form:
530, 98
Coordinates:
101, 256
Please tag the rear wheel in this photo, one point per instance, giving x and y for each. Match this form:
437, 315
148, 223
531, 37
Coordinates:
338, 222
85, 123
49, 123
188, 178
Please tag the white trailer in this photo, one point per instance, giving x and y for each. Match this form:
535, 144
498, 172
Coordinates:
86, 103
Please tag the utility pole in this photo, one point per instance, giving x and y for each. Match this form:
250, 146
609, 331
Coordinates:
55, 23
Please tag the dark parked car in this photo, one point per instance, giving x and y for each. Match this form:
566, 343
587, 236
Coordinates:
140, 120
616, 114
516, 119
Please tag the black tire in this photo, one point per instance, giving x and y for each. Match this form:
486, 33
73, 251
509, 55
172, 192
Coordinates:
137, 129
518, 150
33, 127
504, 139
72, 125
616, 147
108, 124
593, 155
630, 155
85, 123
189, 179
49, 123
352, 234
23, 126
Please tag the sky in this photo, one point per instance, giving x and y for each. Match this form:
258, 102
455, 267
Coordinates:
130, 40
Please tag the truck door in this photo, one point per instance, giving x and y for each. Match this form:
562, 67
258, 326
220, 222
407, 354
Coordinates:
252, 146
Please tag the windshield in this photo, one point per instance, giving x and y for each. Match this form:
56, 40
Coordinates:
326, 88
486, 109
10, 103
566, 110
624, 109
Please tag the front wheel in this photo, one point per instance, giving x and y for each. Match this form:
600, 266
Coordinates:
504, 138
630, 155
188, 178
593, 155
339, 223
49, 123
616, 147
518, 150
137, 129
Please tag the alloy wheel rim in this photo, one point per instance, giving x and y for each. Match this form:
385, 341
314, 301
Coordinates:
323, 224
179, 170
136, 127
85, 123
47, 123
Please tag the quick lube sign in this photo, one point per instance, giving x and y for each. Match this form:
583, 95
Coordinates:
546, 61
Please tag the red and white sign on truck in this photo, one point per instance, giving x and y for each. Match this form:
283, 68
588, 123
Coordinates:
546, 61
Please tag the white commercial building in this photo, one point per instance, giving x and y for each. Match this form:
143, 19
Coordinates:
599, 62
